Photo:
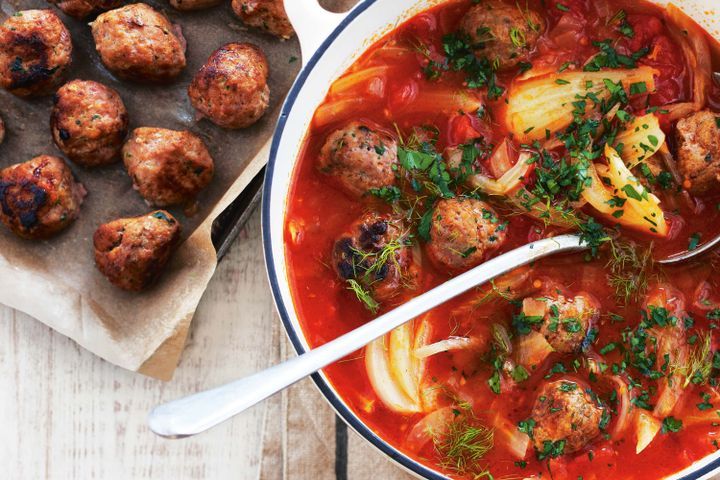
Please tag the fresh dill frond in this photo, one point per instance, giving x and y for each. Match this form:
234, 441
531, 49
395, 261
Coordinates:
697, 366
463, 445
517, 37
501, 338
494, 293
630, 269
619, 16
363, 295
371, 264
525, 12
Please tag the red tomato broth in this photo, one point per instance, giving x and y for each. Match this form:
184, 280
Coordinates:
318, 213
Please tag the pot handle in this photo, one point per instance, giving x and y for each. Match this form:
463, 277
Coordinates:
312, 23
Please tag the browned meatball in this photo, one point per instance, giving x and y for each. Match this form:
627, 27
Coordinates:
89, 122
463, 232
84, 8
563, 321
358, 158
35, 50
268, 15
188, 5
132, 252
231, 88
698, 151
40, 197
167, 167
375, 252
138, 43
565, 412
502, 32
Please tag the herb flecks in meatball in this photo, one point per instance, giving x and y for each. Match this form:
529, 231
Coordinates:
167, 167
39, 198
89, 122
132, 252
231, 88
268, 15
563, 321
566, 418
502, 33
463, 232
698, 151
138, 43
358, 159
84, 8
375, 252
35, 51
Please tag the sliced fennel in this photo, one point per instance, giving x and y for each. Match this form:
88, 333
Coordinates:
622, 198
385, 381
639, 140
647, 428
546, 103
509, 182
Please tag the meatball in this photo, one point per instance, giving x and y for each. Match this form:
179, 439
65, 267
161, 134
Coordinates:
35, 51
132, 252
565, 412
39, 198
84, 8
2, 130
502, 33
358, 158
698, 151
565, 321
89, 122
231, 88
375, 252
188, 5
167, 167
138, 43
463, 232
268, 15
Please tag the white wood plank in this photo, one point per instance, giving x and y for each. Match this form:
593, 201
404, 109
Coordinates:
67, 414
364, 461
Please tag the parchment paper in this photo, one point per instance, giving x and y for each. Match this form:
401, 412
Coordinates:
56, 281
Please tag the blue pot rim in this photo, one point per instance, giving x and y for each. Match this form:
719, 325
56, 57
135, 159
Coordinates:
347, 415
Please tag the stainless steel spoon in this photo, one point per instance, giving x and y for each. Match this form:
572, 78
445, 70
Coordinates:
685, 256
199, 412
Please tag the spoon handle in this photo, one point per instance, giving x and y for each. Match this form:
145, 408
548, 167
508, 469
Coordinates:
201, 411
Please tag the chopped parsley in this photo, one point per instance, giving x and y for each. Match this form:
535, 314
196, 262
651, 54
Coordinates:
608, 57
391, 194
551, 449
671, 425
524, 323
694, 241
479, 72
527, 426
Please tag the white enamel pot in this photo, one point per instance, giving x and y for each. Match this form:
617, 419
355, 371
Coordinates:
330, 43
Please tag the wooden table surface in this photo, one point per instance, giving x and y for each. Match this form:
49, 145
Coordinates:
65, 414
